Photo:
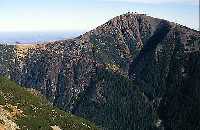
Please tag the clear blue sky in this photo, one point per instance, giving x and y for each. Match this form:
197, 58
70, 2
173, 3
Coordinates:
83, 15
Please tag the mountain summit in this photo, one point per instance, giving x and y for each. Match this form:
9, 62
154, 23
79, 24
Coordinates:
133, 72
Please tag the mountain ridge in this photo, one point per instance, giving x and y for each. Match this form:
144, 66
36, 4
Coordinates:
126, 70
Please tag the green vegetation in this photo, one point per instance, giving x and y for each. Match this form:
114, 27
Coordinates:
6, 58
35, 112
118, 104
108, 52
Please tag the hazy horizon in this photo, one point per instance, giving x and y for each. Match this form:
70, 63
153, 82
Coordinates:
51, 15
36, 36
45, 20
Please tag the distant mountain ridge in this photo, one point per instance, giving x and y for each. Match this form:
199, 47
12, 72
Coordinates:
133, 72
29, 37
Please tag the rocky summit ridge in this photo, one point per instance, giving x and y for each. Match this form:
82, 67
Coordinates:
133, 72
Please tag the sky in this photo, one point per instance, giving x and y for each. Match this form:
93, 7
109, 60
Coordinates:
84, 15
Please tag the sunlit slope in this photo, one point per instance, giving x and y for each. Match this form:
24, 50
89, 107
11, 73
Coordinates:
22, 109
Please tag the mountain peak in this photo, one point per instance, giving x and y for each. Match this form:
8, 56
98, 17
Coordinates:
133, 72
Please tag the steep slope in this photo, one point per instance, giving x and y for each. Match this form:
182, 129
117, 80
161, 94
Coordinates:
23, 109
161, 67
133, 72
7, 56
114, 102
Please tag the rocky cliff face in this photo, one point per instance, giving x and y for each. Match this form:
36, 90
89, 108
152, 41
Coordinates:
133, 72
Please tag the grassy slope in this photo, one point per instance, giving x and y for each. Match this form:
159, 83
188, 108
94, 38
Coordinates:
37, 113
